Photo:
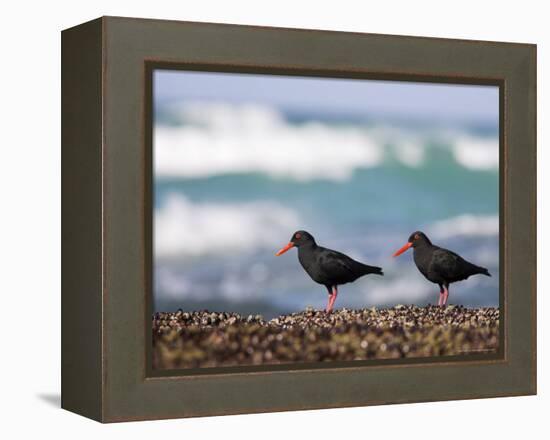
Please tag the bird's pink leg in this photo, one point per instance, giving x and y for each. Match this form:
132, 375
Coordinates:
328, 309
445, 296
440, 301
332, 298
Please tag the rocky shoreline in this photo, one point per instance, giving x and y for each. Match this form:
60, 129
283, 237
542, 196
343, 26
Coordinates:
213, 339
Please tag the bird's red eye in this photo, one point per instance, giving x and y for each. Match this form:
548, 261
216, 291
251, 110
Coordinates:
297, 236
416, 237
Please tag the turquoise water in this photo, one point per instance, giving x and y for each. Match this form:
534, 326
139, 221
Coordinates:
249, 178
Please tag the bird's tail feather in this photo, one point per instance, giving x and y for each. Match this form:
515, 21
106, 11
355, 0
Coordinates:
483, 271
373, 269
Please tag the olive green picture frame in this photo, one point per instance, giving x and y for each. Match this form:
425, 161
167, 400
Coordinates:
107, 67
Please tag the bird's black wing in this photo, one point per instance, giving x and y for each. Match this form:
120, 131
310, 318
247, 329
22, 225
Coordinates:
451, 266
342, 269
338, 265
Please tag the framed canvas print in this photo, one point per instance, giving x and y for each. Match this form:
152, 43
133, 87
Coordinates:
263, 219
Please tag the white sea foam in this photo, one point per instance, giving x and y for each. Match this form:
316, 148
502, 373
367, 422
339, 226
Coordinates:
406, 289
185, 228
221, 138
410, 153
465, 225
476, 153
230, 283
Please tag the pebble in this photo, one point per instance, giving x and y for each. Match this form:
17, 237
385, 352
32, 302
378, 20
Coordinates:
185, 339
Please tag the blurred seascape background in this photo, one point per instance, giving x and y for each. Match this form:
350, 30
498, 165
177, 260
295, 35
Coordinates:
242, 161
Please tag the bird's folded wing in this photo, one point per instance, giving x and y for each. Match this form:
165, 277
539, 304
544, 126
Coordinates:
339, 265
445, 262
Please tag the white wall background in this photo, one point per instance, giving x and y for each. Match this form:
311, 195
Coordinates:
30, 217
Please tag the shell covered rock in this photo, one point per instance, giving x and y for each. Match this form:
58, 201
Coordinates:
211, 339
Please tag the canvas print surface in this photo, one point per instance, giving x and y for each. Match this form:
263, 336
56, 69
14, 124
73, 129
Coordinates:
302, 219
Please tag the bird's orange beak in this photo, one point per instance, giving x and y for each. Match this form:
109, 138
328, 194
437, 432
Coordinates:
403, 249
286, 248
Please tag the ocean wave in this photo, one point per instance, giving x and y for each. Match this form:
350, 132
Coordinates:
476, 153
404, 290
220, 138
189, 229
230, 285
411, 154
466, 225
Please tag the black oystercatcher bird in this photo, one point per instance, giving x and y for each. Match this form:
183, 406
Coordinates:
439, 265
325, 266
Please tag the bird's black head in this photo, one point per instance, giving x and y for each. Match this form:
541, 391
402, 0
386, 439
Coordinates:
299, 238
418, 238
415, 240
